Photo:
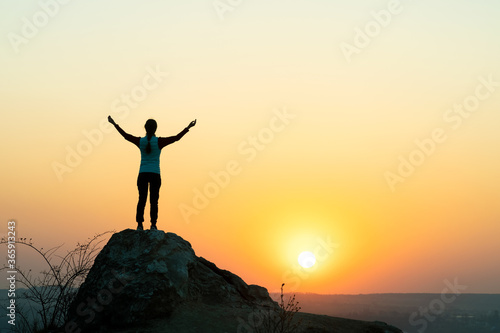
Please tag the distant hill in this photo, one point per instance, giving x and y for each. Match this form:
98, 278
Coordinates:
465, 313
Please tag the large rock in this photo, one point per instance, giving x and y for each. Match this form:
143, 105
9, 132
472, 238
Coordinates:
144, 275
152, 281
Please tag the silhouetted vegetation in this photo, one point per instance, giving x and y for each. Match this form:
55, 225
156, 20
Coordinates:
280, 319
49, 293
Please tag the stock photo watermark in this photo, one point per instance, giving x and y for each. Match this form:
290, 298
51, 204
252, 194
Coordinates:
120, 106
86, 310
257, 319
363, 36
453, 117
11, 272
248, 149
223, 7
31, 26
297, 273
437, 306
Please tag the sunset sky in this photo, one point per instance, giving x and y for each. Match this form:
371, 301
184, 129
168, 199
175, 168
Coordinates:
364, 131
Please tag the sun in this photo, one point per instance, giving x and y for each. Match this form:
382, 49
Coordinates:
307, 259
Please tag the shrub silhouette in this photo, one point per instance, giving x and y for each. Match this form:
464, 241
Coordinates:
50, 293
280, 319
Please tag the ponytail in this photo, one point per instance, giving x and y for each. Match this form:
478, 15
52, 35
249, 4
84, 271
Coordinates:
150, 127
148, 147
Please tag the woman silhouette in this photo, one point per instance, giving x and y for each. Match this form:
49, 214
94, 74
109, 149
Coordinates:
149, 171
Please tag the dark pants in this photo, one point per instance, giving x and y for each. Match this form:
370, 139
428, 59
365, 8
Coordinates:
154, 181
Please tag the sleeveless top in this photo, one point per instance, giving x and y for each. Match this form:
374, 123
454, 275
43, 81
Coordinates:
150, 162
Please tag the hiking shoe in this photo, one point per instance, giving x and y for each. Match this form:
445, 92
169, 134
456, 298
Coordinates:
140, 227
153, 227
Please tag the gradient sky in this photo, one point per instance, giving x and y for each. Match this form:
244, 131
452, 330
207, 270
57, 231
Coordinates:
340, 173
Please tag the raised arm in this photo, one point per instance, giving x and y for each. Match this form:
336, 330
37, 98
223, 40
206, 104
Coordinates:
162, 142
134, 139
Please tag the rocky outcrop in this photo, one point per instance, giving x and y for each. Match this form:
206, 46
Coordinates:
144, 275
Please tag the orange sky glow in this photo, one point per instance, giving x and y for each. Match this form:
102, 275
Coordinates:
363, 131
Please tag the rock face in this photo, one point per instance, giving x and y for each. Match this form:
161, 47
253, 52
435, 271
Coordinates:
144, 275
152, 281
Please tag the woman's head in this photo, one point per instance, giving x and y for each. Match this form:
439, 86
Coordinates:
150, 127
